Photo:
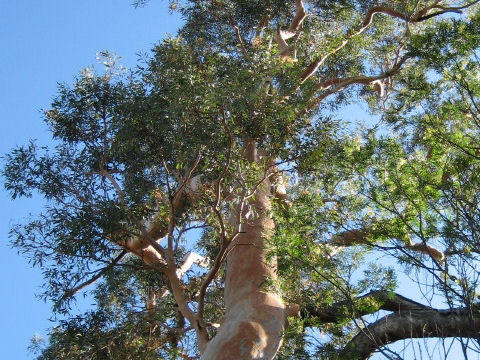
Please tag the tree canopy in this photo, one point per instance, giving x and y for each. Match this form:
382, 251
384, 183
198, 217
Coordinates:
227, 199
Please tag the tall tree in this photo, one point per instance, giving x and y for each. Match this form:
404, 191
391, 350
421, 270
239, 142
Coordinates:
227, 210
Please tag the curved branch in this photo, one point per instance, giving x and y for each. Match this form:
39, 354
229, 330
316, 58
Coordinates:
426, 323
409, 320
299, 16
361, 79
446, 9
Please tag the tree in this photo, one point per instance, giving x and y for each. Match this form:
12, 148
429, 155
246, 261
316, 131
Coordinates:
231, 213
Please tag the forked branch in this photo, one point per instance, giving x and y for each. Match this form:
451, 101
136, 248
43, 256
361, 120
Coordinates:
281, 36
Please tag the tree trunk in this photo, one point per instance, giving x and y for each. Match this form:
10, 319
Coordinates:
254, 320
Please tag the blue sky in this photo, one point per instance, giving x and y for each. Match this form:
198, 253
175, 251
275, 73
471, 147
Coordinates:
43, 43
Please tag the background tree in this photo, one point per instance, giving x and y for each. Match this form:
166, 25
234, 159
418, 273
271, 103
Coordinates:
217, 191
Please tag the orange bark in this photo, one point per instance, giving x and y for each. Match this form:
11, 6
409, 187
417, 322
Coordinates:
255, 316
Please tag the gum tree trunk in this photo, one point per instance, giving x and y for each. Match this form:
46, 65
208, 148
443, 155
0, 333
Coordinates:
255, 316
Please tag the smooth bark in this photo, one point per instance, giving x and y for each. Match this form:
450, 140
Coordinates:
255, 316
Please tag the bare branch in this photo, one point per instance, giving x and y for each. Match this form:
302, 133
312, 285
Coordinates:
299, 16
188, 260
284, 50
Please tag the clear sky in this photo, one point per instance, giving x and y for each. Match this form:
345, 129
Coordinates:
43, 43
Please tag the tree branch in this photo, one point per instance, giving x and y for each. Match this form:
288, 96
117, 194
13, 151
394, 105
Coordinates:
188, 260
421, 15
225, 240
179, 296
281, 36
359, 237
90, 281
409, 320
385, 300
237, 33
408, 324
446, 9
361, 79
177, 204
